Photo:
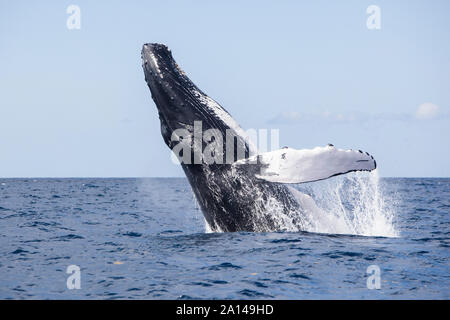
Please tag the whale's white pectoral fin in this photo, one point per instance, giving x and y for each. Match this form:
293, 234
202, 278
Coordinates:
298, 166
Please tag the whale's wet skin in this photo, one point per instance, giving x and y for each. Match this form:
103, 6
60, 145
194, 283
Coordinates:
245, 194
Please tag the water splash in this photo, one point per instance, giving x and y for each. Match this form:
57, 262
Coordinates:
350, 204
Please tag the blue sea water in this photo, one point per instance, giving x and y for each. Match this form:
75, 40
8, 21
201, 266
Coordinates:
146, 239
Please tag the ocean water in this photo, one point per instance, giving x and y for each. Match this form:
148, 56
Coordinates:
147, 239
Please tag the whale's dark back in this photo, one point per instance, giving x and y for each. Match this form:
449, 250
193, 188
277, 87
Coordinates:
231, 199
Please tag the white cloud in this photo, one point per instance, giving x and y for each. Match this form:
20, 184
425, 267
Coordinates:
293, 117
426, 111
287, 117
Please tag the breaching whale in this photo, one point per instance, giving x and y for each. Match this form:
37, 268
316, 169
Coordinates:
248, 193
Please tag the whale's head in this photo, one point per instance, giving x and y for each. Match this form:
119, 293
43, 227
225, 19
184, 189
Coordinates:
181, 104
168, 86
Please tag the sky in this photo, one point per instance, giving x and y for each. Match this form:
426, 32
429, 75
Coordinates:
74, 103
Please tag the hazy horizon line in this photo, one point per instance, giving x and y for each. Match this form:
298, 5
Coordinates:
176, 177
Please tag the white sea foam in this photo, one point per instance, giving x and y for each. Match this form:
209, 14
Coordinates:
350, 204
347, 204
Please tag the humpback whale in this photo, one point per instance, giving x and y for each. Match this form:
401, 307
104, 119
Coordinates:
248, 193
